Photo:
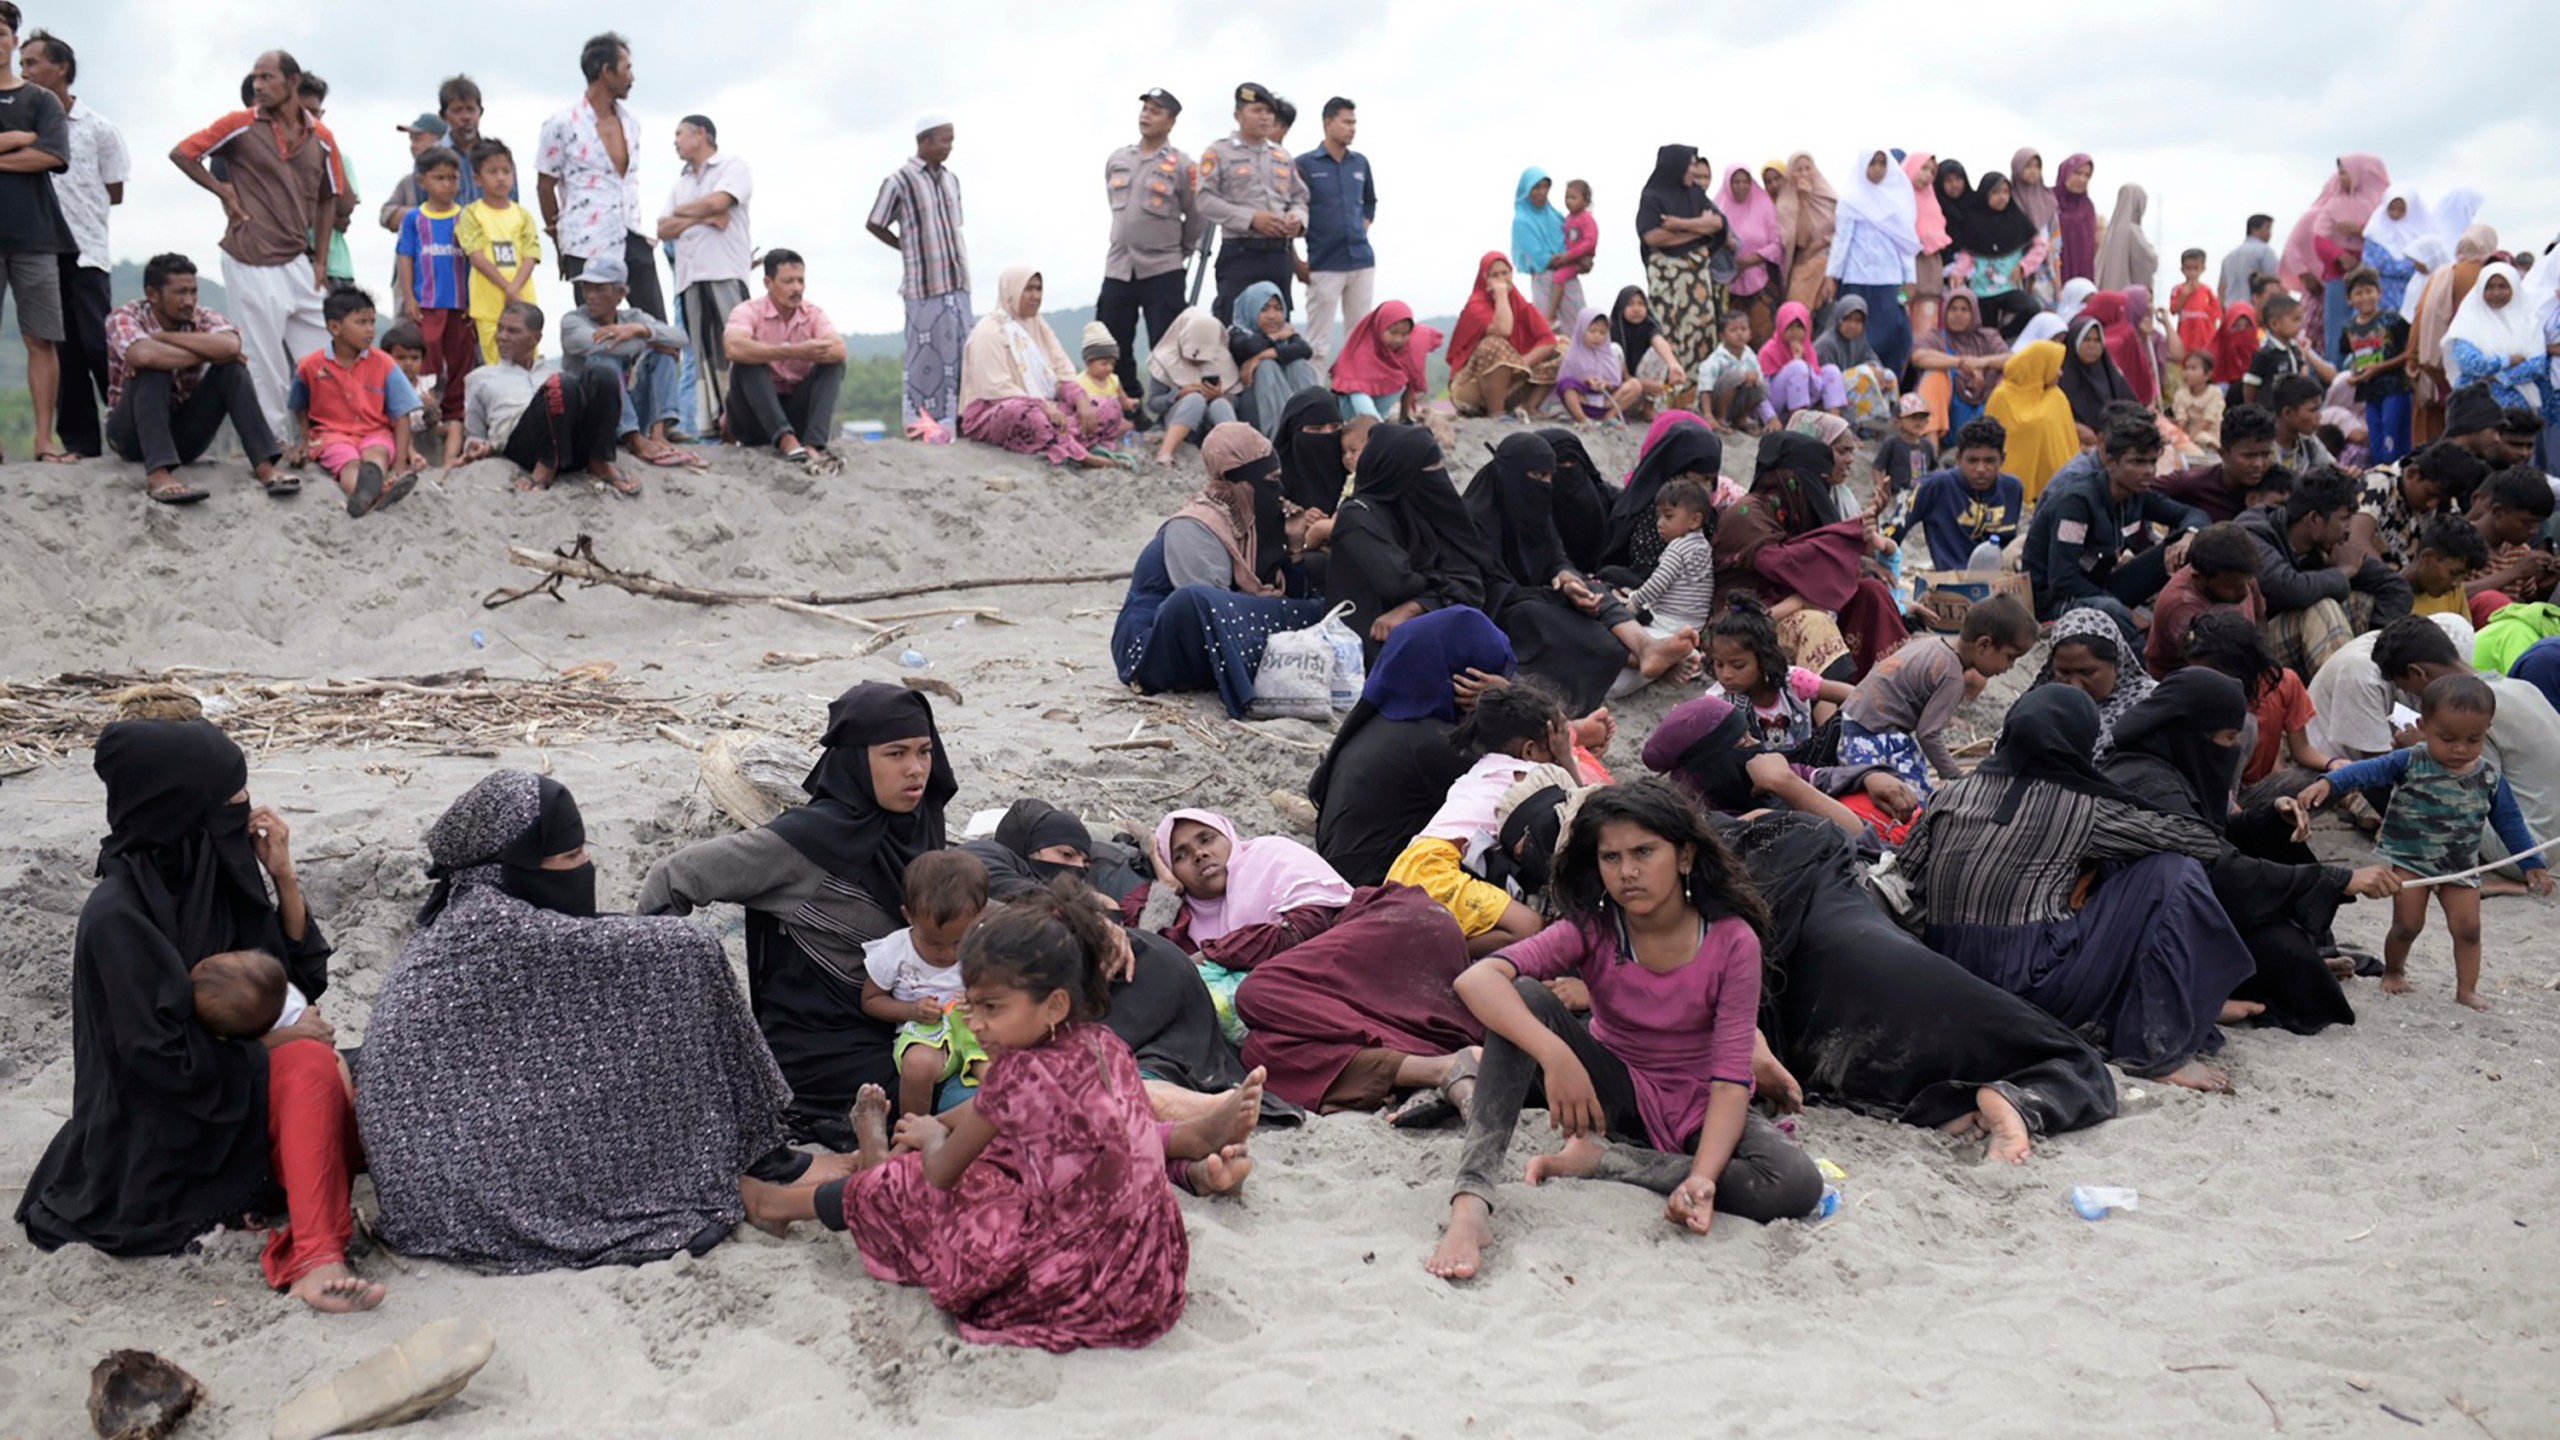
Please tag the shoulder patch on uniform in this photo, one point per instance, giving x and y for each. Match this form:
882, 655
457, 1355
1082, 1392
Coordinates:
2072, 532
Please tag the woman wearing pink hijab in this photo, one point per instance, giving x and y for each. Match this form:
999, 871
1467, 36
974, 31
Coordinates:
1759, 250
1931, 221
1345, 994
2328, 241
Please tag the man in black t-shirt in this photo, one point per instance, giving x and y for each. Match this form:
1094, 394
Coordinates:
35, 141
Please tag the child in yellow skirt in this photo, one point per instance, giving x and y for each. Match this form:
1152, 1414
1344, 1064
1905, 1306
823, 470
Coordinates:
1513, 730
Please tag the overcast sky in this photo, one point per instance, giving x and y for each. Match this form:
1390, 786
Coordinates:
2216, 114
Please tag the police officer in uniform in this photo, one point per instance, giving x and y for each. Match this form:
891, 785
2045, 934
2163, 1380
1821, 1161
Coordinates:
1156, 222
1250, 189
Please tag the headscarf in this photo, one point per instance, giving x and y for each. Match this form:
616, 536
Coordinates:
2051, 735
2043, 325
1239, 465
2041, 205
1403, 481
1031, 826
1528, 327
2089, 387
1311, 470
2114, 311
1753, 223
2029, 402
1668, 193
1267, 877
2539, 666
1537, 230
1594, 367
470, 842
1411, 678
1194, 347
1971, 342
1009, 357
2497, 330
2127, 257
1793, 477
1774, 354
1810, 210
2175, 725
1246, 321
2236, 344
174, 831
1835, 348
1582, 501
1929, 219
2078, 217
1822, 425
1684, 446
1367, 367
2447, 288
1983, 232
1951, 170
1531, 816
1517, 513
843, 828
2400, 236
1706, 747
1634, 338
2098, 633
1885, 206
2075, 293
2335, 209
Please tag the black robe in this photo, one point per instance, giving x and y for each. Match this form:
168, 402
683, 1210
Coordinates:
1378, 785
1866, 1016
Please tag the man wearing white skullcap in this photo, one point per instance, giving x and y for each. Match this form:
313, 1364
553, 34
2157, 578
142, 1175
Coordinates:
918, 215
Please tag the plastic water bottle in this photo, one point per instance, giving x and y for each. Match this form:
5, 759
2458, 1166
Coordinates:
1830, 1205
913, 658
1986, 558
2095, 1202
479, 641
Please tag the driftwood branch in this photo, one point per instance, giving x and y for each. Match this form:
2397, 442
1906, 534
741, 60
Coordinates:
578, 561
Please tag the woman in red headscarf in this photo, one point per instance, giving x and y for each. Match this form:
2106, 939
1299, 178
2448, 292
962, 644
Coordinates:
1502, 358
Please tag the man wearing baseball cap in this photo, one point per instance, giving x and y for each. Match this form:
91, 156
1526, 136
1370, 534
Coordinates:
642, 352
425, 133
1155, 222
1250, 188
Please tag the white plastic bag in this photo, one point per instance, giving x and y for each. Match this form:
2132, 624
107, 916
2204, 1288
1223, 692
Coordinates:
1309, 674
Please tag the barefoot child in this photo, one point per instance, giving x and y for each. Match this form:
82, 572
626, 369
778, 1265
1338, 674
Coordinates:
1662, 926
2443, 791
911, 977
1789, 704
500, 240
1680, 594
350, 406
243, 995
1899, 713
1039, 1214
431, 282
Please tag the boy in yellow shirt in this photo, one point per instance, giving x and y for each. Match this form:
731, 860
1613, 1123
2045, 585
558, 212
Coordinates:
501, 239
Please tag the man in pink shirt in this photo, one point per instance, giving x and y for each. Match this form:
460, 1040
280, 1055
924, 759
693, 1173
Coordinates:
786, 365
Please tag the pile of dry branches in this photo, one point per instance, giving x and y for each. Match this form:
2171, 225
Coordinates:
462, 712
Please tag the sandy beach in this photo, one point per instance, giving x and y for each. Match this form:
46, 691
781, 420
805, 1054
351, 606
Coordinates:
2361, 1233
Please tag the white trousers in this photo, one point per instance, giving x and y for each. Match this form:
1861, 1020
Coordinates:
1336, 301
278, 313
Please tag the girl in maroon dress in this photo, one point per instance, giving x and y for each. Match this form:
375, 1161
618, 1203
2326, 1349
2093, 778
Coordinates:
1041, 1213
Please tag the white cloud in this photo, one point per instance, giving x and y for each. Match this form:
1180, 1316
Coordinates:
2215, 117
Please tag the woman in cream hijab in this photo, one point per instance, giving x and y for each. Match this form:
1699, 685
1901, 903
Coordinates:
1191, 380
1017, 387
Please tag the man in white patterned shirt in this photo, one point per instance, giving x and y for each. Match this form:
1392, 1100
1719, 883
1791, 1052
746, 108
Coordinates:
589, 171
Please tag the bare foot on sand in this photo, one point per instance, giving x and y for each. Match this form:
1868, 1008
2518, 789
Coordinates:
1594, 731
2002, 1126
2197, 1075
2396, 982
2343, 967
2235, 1011
1227, 1122
1222, 1173
1461, 1252
2472, 999
871, 1125
1661, 657
831, 1166
1579, 1157
1174, 1104
333, 1289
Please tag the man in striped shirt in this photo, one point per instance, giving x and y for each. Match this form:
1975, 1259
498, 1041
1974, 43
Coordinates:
918, 215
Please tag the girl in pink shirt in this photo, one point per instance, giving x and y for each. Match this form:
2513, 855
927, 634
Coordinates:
1662, 927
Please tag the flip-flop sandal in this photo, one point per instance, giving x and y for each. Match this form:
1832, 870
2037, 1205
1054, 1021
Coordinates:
56, 457
368, 491
179, 494
397, 491
1436, 1106
820, 463
282, 486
